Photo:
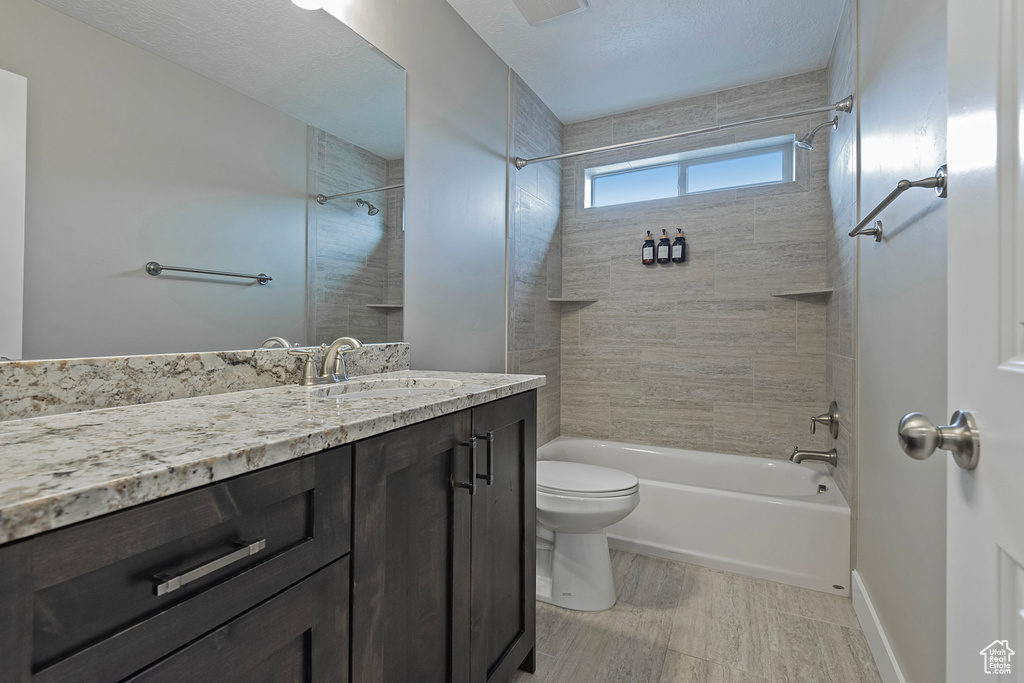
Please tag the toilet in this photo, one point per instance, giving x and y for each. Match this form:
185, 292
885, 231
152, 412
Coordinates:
575, 504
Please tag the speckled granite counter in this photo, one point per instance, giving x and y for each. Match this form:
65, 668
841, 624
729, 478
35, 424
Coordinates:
63, 469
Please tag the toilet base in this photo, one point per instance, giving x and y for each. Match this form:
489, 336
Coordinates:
575, 572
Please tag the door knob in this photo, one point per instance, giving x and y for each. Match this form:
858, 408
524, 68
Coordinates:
919, 438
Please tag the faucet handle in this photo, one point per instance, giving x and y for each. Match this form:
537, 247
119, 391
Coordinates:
831, 418
309, 371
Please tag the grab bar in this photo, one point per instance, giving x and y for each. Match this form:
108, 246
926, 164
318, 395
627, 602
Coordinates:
938, 182
154, 269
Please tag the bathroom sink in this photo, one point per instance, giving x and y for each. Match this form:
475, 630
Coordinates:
394, 387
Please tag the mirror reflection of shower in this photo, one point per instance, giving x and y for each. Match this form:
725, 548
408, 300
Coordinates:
371, 210
323, 199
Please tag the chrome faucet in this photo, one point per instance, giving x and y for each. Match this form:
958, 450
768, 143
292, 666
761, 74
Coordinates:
271, 342
830, 456
334, 359
333, 369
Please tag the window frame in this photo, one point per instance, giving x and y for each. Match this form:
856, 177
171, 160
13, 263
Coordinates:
686, 160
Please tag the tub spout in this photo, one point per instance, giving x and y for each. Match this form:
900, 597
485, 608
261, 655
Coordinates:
830, 457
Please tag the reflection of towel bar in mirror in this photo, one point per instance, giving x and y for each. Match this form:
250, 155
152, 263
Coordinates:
938, 182
323, 199
154, 268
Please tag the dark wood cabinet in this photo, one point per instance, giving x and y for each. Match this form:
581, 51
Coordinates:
443, 547
503, 595
408, 556
297, 636
81, 603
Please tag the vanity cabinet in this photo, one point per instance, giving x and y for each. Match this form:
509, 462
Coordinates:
407, 556
298, 635
102, 600
443, 566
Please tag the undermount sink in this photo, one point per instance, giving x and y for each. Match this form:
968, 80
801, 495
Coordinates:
393, 387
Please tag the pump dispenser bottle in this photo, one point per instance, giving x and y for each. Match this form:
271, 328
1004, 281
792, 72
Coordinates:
647, 251
679, 247
664, 248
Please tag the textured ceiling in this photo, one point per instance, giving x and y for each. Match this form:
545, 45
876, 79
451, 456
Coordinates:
624, 54
306, 64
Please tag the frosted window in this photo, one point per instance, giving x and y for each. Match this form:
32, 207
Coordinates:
636, 186
748, 170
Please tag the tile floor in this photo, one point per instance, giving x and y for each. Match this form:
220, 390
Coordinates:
680, 623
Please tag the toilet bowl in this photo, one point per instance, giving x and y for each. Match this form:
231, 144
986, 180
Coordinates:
575, 504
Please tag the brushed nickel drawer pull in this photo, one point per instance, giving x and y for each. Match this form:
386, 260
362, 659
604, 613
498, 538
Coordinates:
165, 583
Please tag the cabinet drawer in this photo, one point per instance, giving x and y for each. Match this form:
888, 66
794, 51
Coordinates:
298, 636
114, 594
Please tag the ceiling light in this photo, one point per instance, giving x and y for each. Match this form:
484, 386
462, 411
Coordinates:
309, 4
542, 11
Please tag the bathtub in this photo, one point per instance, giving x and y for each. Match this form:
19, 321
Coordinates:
755, 516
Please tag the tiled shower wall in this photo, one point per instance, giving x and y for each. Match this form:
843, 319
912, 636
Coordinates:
349, 252
699, 355
395, 226
534, 253
841, 269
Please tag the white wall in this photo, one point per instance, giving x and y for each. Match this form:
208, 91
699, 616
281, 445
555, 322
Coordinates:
132, 158
456, 115
901, 553
13, 132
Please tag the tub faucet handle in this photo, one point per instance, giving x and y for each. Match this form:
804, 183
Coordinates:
831, 418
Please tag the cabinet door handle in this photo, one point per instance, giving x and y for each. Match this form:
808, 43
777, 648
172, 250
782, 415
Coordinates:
489, 477
164, 583
471, 484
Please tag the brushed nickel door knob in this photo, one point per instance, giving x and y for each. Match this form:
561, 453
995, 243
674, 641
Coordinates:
919, 438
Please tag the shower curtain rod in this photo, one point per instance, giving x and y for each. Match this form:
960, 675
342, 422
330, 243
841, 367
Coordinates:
845, 105
321, 199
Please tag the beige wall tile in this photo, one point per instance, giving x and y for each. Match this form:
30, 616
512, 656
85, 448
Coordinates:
701, 327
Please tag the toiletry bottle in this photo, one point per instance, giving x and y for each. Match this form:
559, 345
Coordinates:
664, 248
679, 247
647, 252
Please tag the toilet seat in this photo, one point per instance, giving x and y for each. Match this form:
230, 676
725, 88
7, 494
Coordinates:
579, 480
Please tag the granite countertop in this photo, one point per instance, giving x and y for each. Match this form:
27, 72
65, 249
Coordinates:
63, 469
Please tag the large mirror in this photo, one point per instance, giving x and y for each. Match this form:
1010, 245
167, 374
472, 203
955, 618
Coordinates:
199, 134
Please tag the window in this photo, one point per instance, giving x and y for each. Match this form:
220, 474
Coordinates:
760, 162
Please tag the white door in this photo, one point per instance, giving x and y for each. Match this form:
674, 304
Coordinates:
985, 506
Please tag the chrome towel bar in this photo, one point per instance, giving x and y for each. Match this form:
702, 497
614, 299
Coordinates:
938, 182
154, 268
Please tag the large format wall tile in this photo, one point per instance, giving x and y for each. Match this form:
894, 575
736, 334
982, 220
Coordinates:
535, 264
699, 355
354, 259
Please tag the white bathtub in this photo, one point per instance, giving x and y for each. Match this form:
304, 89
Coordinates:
755, 516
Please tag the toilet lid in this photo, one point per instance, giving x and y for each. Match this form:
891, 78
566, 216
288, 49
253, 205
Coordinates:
585, 481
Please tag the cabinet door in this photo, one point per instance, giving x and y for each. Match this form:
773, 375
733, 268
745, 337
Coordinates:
504, 538
410, 554
298, 636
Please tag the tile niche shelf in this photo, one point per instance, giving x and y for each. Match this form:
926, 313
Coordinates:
570, 300
386, 307
823, 292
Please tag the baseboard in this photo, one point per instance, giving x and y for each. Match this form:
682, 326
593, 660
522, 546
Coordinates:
885, 660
